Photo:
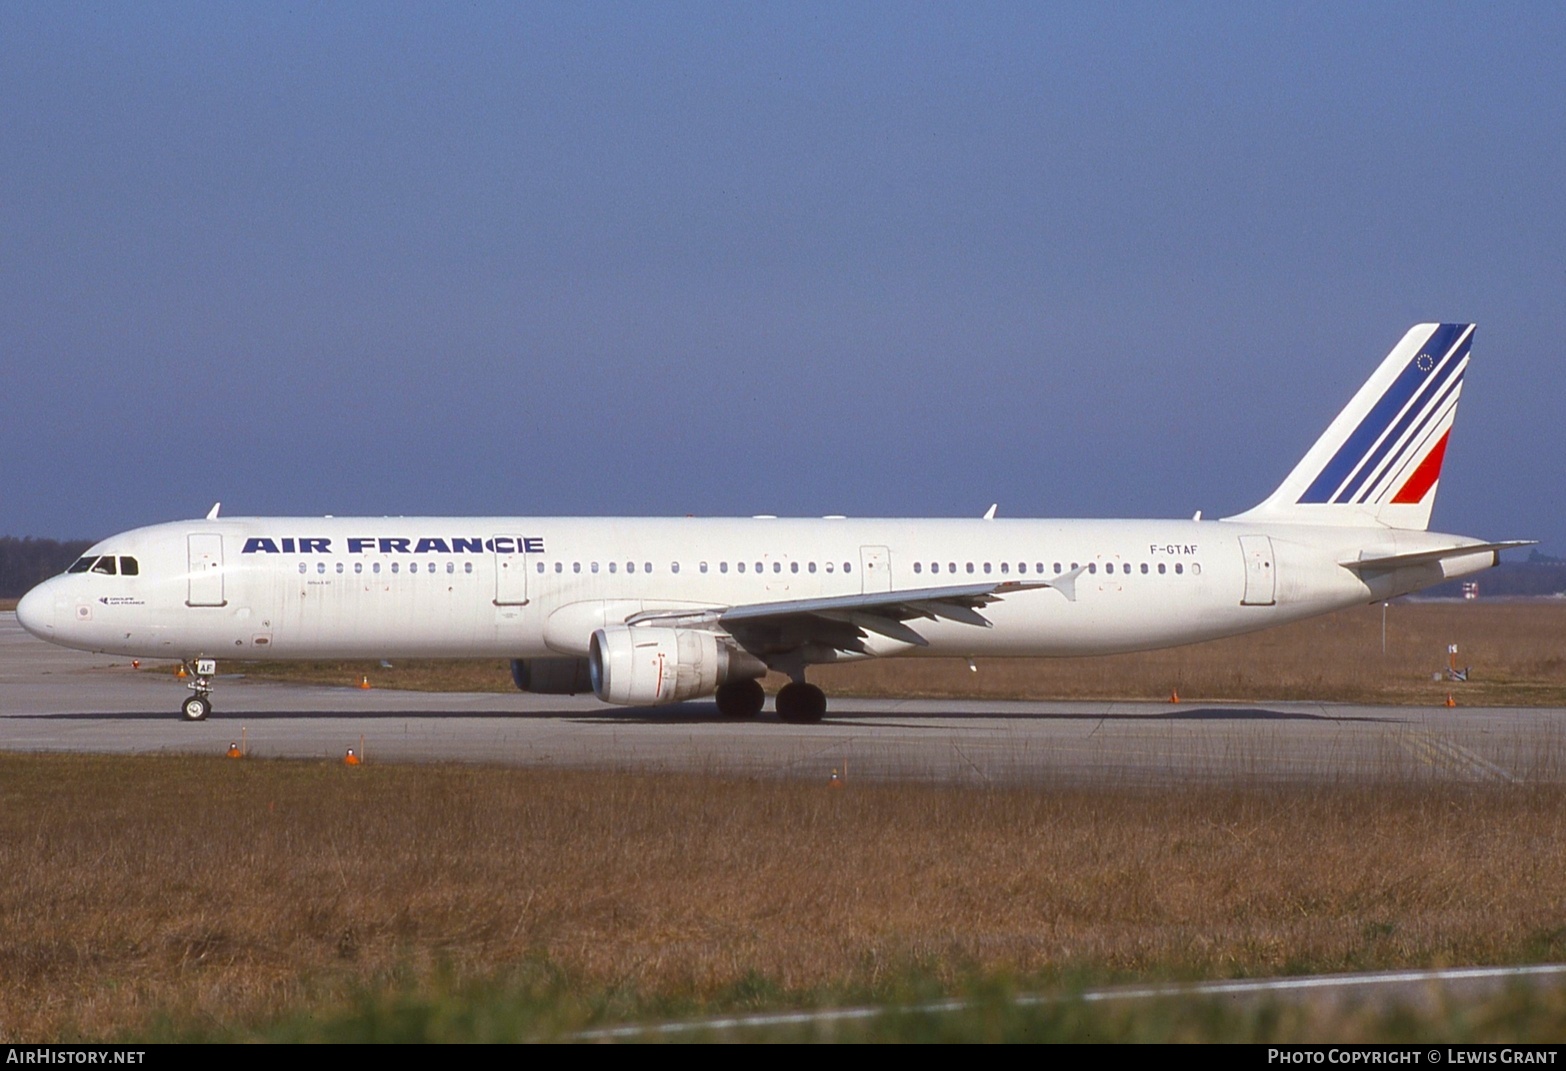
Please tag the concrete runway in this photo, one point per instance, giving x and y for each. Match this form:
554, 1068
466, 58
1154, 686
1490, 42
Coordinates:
52, 699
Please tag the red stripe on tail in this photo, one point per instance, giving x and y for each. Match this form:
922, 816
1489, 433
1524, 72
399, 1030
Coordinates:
1424, 476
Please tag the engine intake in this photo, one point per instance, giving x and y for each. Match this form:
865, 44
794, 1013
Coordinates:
640, 666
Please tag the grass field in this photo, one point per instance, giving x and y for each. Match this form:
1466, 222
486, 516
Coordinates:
1517, 651
193, 897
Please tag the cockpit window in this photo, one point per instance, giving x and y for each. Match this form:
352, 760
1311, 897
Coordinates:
105, 565
129, 566
81, 565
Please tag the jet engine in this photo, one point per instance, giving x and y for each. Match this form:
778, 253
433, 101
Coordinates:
639, 666
552, 676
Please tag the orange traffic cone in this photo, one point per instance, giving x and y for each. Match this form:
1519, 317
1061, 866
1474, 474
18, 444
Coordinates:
1174, 696
233, 750
179, 671
364, 682
1450, 701
350, 759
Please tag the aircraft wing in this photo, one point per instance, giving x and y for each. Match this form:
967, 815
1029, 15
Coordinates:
845, 621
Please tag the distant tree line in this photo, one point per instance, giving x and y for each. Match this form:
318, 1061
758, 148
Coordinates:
26, 561
1539, 575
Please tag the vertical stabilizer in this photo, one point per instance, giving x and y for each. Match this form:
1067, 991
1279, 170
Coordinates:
1379, 462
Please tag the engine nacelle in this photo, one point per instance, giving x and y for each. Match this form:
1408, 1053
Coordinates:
640, 666
552, 676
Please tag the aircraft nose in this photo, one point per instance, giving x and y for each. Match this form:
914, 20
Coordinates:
35, 612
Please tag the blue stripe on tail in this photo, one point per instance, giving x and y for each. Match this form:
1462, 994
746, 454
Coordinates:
1383, 413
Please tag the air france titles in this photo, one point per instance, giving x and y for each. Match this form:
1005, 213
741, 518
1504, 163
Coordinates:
397, 545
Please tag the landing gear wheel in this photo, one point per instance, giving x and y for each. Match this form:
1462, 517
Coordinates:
800, 703
196, 708
740, 699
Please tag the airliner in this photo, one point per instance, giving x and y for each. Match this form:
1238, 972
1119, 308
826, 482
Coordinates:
651, 611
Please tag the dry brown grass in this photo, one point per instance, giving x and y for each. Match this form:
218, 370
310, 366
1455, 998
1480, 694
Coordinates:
236, 891
1517, 651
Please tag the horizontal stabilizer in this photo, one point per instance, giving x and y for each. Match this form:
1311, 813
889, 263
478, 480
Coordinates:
1425, 557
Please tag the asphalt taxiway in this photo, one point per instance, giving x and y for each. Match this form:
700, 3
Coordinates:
52, 699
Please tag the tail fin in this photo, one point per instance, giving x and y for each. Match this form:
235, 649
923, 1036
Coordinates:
1378, 463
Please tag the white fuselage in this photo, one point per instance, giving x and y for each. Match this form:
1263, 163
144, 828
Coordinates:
310, 587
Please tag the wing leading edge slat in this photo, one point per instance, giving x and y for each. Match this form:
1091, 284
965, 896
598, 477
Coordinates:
844, 622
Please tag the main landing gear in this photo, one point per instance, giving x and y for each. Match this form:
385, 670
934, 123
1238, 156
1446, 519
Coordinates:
740, 699
198, 704
798, 702
801, 703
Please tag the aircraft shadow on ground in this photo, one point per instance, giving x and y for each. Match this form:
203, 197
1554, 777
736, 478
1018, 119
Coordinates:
706, 713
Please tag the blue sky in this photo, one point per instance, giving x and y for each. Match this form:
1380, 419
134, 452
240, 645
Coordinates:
874, 259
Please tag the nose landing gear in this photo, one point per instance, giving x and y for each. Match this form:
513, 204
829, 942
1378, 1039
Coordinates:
198, 704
